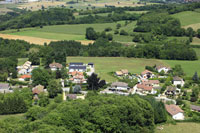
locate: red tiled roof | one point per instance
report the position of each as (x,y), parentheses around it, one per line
(25,76)
(144,87)
(173,109)
(57,65)
(150,82)
(145,72)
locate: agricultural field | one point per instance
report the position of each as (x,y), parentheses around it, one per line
(186,127)
(105,65)
(188,17)
(66,32)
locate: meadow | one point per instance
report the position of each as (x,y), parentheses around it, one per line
(188,17)
(186,127)
(105,65)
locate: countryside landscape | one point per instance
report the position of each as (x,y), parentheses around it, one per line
(99,66)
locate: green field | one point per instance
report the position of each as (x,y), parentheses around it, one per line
(188,17)
(185,127)
(104,65)
(73,32)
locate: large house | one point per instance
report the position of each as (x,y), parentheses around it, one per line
(172,90)
(178,81)
(5,88)
(25,68)
(37,90)
(143,89)
(55,66)
(154,83)
(147,74)
(24,77)
(77,66)
(163,68)
(77,77)
(175,111)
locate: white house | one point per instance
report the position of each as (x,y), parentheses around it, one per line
(175,111)
(178,81)
(22,71)
(162,68)
(5,88)
(119,86)
(147,74)
(54,66)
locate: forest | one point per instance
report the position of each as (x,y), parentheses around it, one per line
(98,113)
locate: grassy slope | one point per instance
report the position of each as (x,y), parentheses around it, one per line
(185,127)
(188,17)
(104,65)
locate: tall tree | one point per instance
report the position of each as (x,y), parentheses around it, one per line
(94,82)
(53,88)
(195,77)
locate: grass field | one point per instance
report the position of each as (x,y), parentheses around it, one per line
(104,65)
(188,17)
(185,127)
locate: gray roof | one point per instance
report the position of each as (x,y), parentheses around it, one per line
(77,67)
(119,84)
(4,86)
(177,78)
(194,107)
(76,63)
(90,63)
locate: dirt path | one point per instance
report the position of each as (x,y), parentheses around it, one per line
(36,40)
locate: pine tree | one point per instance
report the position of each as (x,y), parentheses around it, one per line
(195,78)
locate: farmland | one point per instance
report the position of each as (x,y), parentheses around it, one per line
(70,32)
(105,65)
(185,127)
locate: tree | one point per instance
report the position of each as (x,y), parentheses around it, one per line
(43,100)
(91,34)
(53,88)
(71,90)
(34,58)
(94,83)
(77,89)
(178,71)
(118,26)
(40,76)
(195,94)
(58,74)
(198,33)
(195,77)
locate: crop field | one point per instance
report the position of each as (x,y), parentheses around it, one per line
(186,127)
(188,17)
(104,65)
(66,32)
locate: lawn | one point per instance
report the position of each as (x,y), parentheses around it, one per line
(185,127)
(2,117)
(198,52)
(104,65)
(21,61)
(188,17)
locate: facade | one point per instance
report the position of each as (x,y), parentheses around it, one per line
(178,81)
(77,68)
(5,88)
(147,74)
(175,111)
(119,86)
(163,68)
(172,90)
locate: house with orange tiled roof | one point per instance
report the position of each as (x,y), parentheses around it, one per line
(147,74)
(24,77)
(175,111)
(143,89)
(77,77)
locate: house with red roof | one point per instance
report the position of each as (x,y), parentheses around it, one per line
(175,111)
(24,77)
(143,89)
(147,74)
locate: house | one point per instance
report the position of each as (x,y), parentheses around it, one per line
(143,89)
(122,72)
(172,90)
(22,71)
(38,89)
(77,77)
(195,108)
(77,68)
(76,64)
(163,68)
(147,74)
(119,86)
(24,77)
(91,65)
(178,81)
(54,66)
(5,88)
(154,83)
(175,111)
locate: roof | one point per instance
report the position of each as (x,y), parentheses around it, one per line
(146,71)
(76,63)
(25,76)
(71,96)
(119,73)
(150,82)
(38,89)
(4,86)
(121,84)
(57,65)
(194,107)
(173,109)
(77,67)
(124,71)
(171,88)
(76,73)
(161,66)
(90,63)
(144,87)
(177,78)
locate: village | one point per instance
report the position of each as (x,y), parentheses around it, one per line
(158,83)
